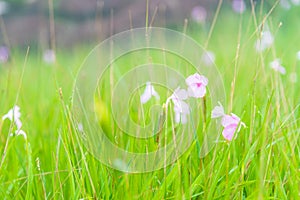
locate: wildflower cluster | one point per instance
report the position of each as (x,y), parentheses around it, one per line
(196,88)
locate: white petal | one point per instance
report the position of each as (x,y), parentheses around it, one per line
(296,2)
(180,118)
(49,56)
(238,6)
(196,79)
(199,14)
(196,92)
(145,97)
(21,132)
(18,123)
(281,70)
(13,113)
(184,118)
(265,42)
(267,38)
(180,94)
(181,107)
(148,93)
(4,117)
(177,117)
(276,66)
(154,93)
(285,4)
(218,111)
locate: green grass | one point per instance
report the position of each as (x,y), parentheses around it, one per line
(262,163)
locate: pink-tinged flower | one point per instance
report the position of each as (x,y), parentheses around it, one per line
(276,66)
(199,14)
(266,41)
(49,56)
(238,6)
(196,85)
(181,108)
(4,54)
(14,116)
(148,93)
(208,58)
(229,122)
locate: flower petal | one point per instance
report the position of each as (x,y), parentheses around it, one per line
(196,79)
(148,93)
(276,66)
(18,123)
(180,94)
(184,118)
(181,107)
(197,92)
(230,120)
(21,132)
(229,131)
(180,118)
(13,114)
(218,111)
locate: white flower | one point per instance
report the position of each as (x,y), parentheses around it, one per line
(265,42)
(296,2)
(179,94)
(181,108)
(14,116)
(180,118)
(238,6)
(285,4)
(276,66)
(4,54)
(49,56)
(21,132)
(148,93)
(218,111)
(196,85)
(199,14)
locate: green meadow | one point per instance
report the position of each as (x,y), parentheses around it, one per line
(262,162)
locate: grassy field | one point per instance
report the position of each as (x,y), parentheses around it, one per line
(263,162)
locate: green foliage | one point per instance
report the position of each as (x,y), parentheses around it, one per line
(262,163)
